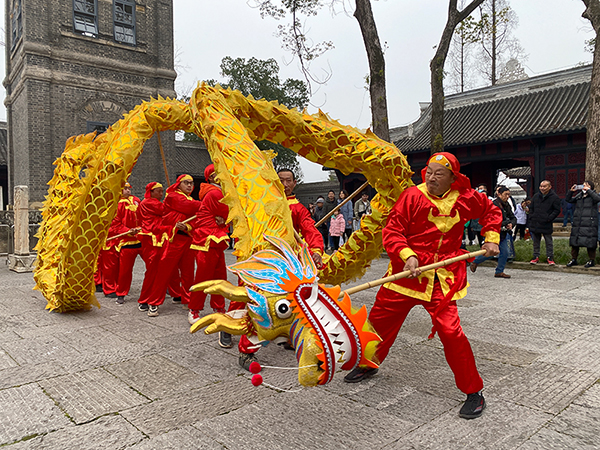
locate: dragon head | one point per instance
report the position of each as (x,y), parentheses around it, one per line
(285,301)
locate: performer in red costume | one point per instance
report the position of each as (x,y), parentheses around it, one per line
(210,241)
(305,226)
(128,246)
(176,256)
(153,237)
(426,226)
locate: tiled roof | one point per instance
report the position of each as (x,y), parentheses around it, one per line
(190,157)
(547,104)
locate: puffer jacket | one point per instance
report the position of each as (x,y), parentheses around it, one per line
(542,212)
(584,230)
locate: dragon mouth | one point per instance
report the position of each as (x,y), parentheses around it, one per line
(334,331)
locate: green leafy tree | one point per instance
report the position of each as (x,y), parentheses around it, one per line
(260,79)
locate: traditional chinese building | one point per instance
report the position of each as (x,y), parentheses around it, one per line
(538,124)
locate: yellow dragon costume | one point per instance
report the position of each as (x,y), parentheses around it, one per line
(91,172)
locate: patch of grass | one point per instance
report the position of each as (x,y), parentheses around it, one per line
(562,251)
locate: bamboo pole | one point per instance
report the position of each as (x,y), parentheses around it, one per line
(162,153)
(189,219)
(406,273)
(346,200)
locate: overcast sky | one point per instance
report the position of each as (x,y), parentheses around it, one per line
(552,32)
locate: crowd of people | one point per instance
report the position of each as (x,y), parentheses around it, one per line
(337,227)
(182,242)
(535,217)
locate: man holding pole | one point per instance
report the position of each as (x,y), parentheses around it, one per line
(424,227)
(176,257)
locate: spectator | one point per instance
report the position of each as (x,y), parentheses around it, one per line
(361,207)
(336,229)
(585,222)
(508,223)
(330,204)
(521,214)
(320,212)
(544,208)
(567,210)
(347,212)
(474,225)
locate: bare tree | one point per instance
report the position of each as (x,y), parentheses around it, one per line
(296,41)
(498,45)
(592,159)
(459,77)
(437,71)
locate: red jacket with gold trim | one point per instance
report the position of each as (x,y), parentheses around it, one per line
(125,220)
(179,207)
(150,217)
(305,225)
(431,228)
(207,233)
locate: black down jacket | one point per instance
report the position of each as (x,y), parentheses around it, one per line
(542,212)
(584,231)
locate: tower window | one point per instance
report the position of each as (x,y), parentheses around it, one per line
(85,17)
(124,21)
(16,22)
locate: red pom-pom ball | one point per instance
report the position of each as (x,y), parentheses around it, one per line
(257,380)
(254,367)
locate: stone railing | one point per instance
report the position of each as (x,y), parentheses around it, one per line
(7,230)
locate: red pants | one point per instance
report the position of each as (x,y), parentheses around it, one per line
(127,257)
(151,256)
(210,265)
(390,311)
(177,258)
(109,269)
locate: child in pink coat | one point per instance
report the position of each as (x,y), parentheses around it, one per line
(337,226)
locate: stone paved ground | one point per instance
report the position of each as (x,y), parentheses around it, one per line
(114,378)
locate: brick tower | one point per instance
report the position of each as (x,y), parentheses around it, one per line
(73,66)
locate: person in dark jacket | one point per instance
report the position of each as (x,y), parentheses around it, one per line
(585,221)
(508,224)
(544,208)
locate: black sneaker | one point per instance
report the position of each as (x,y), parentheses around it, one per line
(359,374)
(111,295)
(98,288)
(143,307)
(246,359)
(225,340)
(286,345)
(572,263)
(152,311)
(473,407)
(120,300)
(589,264)
(176,300)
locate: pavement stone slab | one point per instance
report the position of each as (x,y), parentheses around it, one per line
(87,395)
(502,353)
(186,438)
(155,376)
(26,411)
(210,362)
(105,433)
(546,439)
(502,426)
(140,330)
(29,373)
(311,419)
(6,361)
(42,349)
(543,386)
(561,316)
(531,343)
(92,358)
(579,422)
(386,392)
(186,408)
(582,353)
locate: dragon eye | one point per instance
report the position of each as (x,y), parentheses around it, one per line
(282,308)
